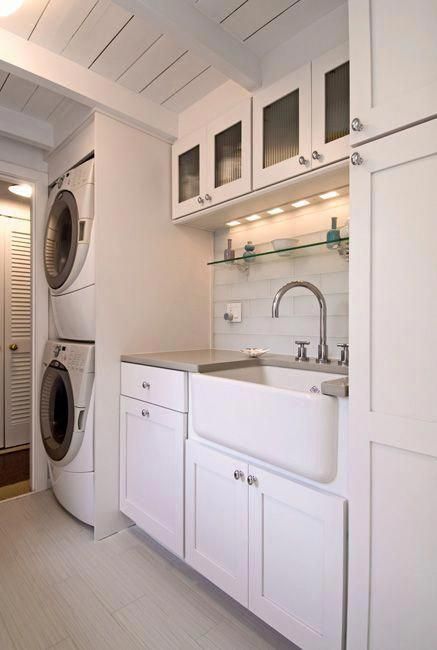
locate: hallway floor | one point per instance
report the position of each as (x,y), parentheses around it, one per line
(61,590)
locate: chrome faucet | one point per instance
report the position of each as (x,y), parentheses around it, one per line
(322,355)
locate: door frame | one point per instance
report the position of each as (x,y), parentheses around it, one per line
(13,173)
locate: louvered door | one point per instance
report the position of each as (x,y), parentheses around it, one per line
(17,332)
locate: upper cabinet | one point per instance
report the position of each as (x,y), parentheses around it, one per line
(282,129)
(213,164)
(330,107)
(393,65)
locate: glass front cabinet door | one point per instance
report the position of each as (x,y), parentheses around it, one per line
(282,129)
(189,173)
(330,107)
(229,154)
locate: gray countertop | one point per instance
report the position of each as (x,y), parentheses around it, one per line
(211,360)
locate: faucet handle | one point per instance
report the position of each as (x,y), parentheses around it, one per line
(344,354)
(302,351)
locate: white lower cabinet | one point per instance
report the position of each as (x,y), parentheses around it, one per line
(275,545)
(152,442)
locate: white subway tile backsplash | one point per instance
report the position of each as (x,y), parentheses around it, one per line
(335,282)
(250,290)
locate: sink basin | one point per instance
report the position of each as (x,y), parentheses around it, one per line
(277,415)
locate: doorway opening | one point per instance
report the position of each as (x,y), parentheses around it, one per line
(15,338)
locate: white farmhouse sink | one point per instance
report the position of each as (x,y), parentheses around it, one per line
(273,414)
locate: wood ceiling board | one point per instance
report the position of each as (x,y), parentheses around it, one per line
(195,90)
(59,22)
(217,9)
(253,15)
(42,103)
(178,75)
(289,24)
(99,28)
(26,128)
(16,92)
(158,57)
(22,21)
(3,77)
(128,46)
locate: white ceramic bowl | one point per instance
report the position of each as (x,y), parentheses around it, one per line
(279,244)
(254,352)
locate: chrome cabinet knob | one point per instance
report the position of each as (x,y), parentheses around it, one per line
(315,155)
(238,474)
(356,159)
(146,384)
(356,124)
(200,200)
(303,160)
(208,197)
(145,413)
(252,480)
(302,354)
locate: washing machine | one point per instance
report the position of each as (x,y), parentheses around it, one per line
(67,424)
(69,253)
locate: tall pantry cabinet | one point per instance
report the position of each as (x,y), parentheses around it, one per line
(392,598)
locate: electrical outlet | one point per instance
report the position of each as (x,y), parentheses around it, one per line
(233,312)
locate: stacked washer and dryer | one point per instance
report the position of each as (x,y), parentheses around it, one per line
(67,387)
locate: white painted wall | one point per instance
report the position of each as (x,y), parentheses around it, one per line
(152,284)
(299,312)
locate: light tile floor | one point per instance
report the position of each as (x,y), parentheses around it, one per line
(61,590)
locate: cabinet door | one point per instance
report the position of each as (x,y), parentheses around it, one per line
(393,49)
(282,129)
(152,470)
(296,560)
(230,154)
(216,518)
(189,173)
(330,106)
(392,592)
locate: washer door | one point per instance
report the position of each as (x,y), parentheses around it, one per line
(56,411)
(61,238)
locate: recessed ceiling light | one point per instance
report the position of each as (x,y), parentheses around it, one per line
(300,204)
(275,211)
(329,195)
(7,7)
(234,223)
(253,217)
(21,190)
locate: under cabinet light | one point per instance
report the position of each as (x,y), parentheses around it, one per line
(21,190)
(253,217)
(300,204)
(275,211)
(234,223)
(329,195)
(7,7)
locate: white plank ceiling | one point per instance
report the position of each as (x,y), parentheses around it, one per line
(109,40)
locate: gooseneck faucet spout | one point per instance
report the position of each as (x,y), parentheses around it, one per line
(322,355)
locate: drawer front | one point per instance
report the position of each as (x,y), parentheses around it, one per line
(159,386)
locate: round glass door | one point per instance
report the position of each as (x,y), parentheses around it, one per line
(60,243)
(56,411)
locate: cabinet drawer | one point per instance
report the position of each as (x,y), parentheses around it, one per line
(156,385)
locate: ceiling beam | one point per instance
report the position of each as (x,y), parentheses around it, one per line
(26,129)
(203,36)
(57,73)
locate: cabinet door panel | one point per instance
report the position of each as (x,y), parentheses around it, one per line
(216,519)
(282,129)
(330,106)
(189,173)
(152,470)
(229,154)
(393,64)
(296,560)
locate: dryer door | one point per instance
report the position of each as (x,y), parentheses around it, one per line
(61,239)
(56,411)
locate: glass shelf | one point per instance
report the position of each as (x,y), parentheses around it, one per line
(340,246)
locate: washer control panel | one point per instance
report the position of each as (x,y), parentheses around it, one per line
(74,356)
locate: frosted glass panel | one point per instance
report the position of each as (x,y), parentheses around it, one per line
(189,164)
(228,155)
(281,129)
(337,103)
